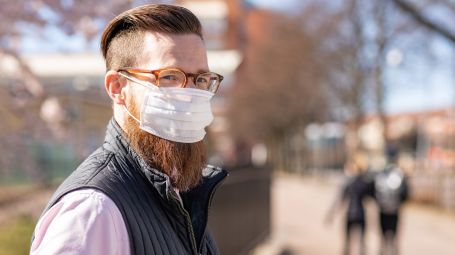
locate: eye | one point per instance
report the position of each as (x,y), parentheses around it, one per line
(202,80)
(169,77)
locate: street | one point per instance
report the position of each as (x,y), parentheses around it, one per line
(299,206)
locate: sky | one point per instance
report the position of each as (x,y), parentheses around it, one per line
(275,4)
(422,84)
(415,87)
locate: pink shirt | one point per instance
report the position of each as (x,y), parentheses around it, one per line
(82,222)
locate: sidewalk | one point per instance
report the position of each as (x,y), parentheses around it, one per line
(300,204)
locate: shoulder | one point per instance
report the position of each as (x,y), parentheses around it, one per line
(83,205)
(79,222)
(85,173)
(89,174)
(91,201)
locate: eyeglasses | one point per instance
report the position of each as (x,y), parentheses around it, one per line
(176,78)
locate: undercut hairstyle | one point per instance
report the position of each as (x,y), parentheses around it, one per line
(122,40)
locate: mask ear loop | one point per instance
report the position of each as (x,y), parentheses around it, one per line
(124,107)
(132,116)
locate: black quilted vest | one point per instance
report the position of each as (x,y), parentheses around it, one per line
(157,222)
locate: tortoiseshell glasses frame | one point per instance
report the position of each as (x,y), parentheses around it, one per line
(175,77)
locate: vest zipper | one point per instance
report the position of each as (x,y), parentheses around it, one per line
(188,224)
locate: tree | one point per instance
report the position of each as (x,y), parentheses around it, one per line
(281,85)
(21,92)
(19,17)
(343,54)
(418,15)
(370,30)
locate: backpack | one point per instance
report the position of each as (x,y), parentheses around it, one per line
(390,189)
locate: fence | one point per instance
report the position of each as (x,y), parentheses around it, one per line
(434,188)
(240,214)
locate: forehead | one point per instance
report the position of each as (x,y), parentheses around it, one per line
(186,51)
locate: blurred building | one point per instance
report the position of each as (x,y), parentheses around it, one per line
(428,136)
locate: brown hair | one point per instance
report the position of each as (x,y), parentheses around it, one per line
(121,42)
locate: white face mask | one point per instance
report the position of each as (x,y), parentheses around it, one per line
(175,114)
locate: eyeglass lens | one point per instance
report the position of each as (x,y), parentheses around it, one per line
(175,78)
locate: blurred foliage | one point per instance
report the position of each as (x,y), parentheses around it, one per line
(332,62)
(38,148)
(423,12)
(83,16)
(15,237)
(281,84)
(305,68)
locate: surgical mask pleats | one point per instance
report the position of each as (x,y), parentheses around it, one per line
(176,114)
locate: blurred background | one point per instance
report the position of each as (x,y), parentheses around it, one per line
(307,85)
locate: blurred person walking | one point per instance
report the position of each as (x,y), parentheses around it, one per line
(356,188)
(391,190)
(147,189)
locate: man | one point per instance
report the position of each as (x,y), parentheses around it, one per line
(391,190)
(146,190)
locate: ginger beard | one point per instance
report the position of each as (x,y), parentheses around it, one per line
(182,162)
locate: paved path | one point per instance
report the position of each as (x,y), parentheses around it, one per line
(300,204)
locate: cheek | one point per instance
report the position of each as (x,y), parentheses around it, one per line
(136,97)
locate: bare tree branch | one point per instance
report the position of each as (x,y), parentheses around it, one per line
(425,21)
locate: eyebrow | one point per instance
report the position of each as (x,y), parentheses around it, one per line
(203,70)
(197,72)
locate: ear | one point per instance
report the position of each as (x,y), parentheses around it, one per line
(115,86)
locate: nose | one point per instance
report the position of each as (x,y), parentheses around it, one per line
(190,82)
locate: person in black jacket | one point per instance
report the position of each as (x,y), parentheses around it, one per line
(391,191)
(356,188)
(147,189)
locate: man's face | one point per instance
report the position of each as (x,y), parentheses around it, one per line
(181,161)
